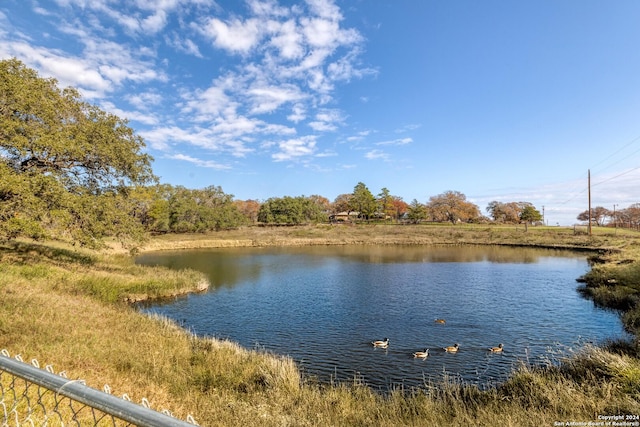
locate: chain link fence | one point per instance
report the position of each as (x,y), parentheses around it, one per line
(31,396)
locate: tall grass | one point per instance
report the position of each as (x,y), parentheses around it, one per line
(65,308)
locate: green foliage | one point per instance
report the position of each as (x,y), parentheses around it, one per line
(385,203)
(180,210)
(362,201)
(65,164)
(292,210)
(529,214)
(417,212)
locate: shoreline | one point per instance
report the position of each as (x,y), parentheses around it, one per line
(388,234)
(72,315)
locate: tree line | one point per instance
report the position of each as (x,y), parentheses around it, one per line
(628,217)
(72,171)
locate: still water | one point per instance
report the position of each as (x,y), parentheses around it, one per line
(324,305)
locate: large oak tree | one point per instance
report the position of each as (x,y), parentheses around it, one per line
(66,165)
(452,206)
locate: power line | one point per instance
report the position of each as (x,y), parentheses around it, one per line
(616,152)
(616,176)
(585,189)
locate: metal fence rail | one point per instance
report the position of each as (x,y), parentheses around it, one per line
(36,397)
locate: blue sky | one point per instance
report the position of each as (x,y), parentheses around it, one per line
(507,101)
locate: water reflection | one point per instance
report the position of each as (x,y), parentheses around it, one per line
(228,266)
(324,305)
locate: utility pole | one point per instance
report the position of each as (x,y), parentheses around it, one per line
(543,221)
(589,186)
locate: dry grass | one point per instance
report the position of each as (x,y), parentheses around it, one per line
(63,307)
(392,234)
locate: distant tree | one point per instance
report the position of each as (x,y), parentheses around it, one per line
(598,215)
(67,167)
(291,211)
(248,208)
(149,206)
(452,206)
(184,212)
(630,216)
(416,212)
(386,207)
(400,207)
(323,204)
(363,201)
(342,203)
(197,211)
(315,208)
(529,215)
(158,216)
(510,213)
(505,212)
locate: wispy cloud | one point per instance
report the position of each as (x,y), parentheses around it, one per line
(376,155)
(402,141)
(199,162)
(408,128)
(139,116)
(359,136)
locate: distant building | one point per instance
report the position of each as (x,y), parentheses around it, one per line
(344,216)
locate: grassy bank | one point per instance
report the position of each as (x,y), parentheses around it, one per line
(67,308)
(382,234)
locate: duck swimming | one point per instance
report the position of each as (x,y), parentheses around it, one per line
(452,348)
(421,354)
(497,349)
(381,344)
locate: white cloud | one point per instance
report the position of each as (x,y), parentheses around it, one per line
(164,138)
(376,154)
(320,33)
(402,141)
(235,36)
(185,45)
(147,119)
(298,113)
(160,138)
(325,9)
(408,128)
(322,126)
(199,162)
(267,8)
(209,104)
(327,154)
(96,71)
(359,136)
(266,99)
(294,149)
(288,40)
(154,23)
(144,100)
(68,71)
(326,120)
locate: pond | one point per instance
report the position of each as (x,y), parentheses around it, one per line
(324,305)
